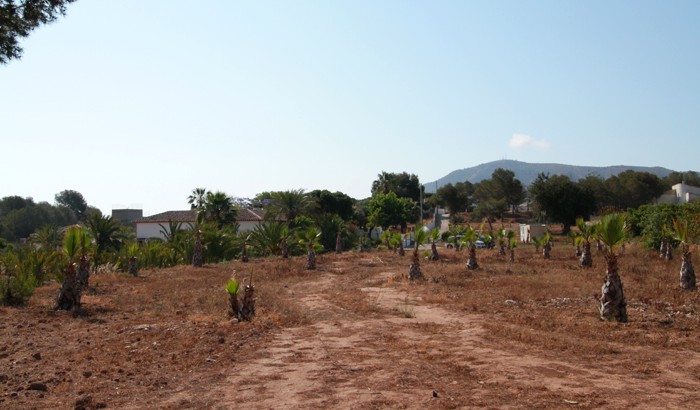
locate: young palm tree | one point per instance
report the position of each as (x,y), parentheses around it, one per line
(419,236)
(470,237)
(501,239)
(133,259)
(232,290)
(585,232)
(546,244)
(434,235)
(198,198)
(310,238)
(218,208)
(512,245)
(687,271)
(69,296)
(398,237)
(612,231)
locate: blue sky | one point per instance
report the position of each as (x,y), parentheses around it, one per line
(135,103)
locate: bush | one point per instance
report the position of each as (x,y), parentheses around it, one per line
(16,285)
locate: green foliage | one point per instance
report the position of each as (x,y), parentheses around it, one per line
(16,284)
(558,199)
(403,185)
(612,230)
(232,286)
(21,217)
(107,235)
(20,17)
(456,198)
(387,210)
(652,221)
(287,205)
(333,203)
(265,239)
(420,236)
(218,209)
(310,238)
(74,201)
(220,242)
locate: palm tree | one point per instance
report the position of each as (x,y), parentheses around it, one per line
(419,236)
(198,198)
(501,238)
(434,235)
(666,245)
(612,231)
(585,232)
(310,237)
(471,235)
(687,271)
(288,204)
(133,259)
(512,245)
(69,296)
(398,240)
(107,235)
(270,237)
(546,244)
(218,208)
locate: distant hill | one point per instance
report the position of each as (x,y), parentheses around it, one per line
(527,172)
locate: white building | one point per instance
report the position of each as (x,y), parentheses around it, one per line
(157,226)
(680,194)
(527,232)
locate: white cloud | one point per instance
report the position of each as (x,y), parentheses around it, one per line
(526,141)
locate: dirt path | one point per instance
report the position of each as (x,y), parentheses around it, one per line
(412,355)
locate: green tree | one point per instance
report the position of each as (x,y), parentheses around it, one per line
(456,198)
(197,199)
(19,17)
(404,185)
(387,210)
(74,201)
(558,199)
(632,189)
(336,203)
(689,177)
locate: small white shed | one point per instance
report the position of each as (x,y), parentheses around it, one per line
(527,231)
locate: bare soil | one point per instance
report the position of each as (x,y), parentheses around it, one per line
(356,334)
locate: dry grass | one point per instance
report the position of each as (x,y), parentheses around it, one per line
(169,330)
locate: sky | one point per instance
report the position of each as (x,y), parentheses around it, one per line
(136,103)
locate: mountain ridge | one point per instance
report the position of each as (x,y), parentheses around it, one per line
(527,172)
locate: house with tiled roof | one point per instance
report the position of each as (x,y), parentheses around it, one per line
(156,226)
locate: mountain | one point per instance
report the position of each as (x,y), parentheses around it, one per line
(527,172)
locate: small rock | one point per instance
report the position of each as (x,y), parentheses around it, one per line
(87,373)
(435,394)
(37,356)
(38,386)
(13,394)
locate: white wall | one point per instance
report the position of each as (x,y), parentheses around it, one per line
(148,230)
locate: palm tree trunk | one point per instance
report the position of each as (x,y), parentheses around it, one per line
(197,258)
(663,248)
(235,308)
(69,296)
(284,249)
(586,260)
(669,252)
(414,271)
(546,249)
(311,259)
(83,275)
(133,266)
(248,304)
(687,271)
(512,256)
(612,299)
(471,261)
(338,243)
(402,252)
(433,252)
